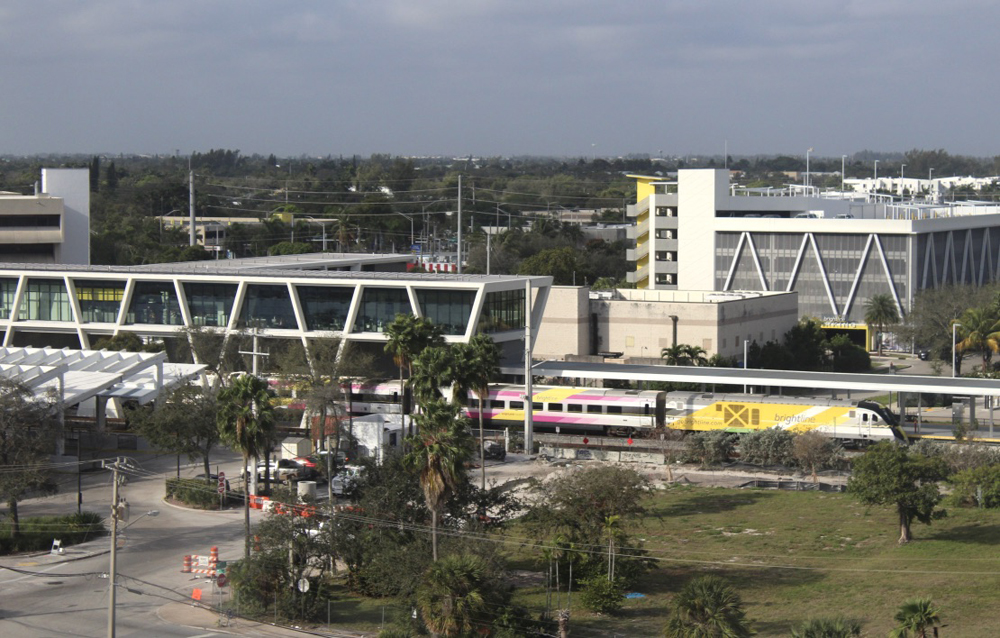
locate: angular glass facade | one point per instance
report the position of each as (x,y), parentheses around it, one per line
(325,307)
(503,311)
(379,307)
(210,304)
(449,309)
(45,300)
(8,286)
(267,307)
(100,300)
(154,302)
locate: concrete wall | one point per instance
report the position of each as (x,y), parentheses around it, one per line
(73,186)
(565,325)
(640,324)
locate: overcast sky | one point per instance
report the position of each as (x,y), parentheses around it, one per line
(499,77)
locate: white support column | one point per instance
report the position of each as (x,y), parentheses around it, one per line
(529,432)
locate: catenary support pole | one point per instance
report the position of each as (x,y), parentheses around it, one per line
(528,394)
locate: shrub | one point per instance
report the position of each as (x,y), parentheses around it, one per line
(194,492)
(602,595)
(711,448)
(978,486)
(37,535)
(766,447)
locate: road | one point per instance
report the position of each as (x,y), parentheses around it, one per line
(71,598)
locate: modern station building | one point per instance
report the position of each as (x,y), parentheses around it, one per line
(301,297)
(837,250)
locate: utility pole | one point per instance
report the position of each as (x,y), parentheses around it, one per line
(529,442)
(192,233)
(117,512)
(460,224)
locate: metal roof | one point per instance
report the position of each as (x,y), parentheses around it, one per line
(84,374)
(758,377)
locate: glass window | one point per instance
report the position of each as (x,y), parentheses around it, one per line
(99,300)
(555,407)
(496,405)
(537,407)
(449,309)
(154,302)
(45,300)
(517,405)
(8,286)
(379,307)
(325,307)
(267,306)
(210,304)
(614,409)
(594,409)
(574,407)
(503,311)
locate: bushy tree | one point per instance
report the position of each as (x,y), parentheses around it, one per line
(460,595)
(977,486)
(28,430)
(891,475)
(766,447)
(838,627)
(185,423)
(711,448)
(915,617)
(602,594)
(814,451)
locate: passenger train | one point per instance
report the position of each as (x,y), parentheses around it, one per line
(602,411)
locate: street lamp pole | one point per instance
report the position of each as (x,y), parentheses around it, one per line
(875,187)
(843,166)
(901,167)
(953,344)
(808,151)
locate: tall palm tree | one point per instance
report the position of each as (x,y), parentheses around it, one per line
(408,337)
(707,607)
(980,332)
(455,596)
(476,364)
(433,369)
(915,617)
(438,453)
(674,355)
(695,356)
(881,311)
(246,424)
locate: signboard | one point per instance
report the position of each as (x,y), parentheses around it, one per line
(303,585)
(222,581)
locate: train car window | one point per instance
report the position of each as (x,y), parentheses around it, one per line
(864,417)
(614,409)
(517,405)
(755,417)
(852,414)
(555,407)
(633,410)
(574,407)
(718,407)
(537,406)
(594,409)
(499,405)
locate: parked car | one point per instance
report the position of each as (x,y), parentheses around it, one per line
(923,355)
(494,450)
(283,471)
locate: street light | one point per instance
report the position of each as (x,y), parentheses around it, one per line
(411,224)
(953,342)
(930,175)
(901,167)
(843,165)
(322,224)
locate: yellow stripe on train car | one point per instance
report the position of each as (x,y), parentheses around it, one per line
(746,416)
(555,395)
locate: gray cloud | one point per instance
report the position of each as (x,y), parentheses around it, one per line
(497,76)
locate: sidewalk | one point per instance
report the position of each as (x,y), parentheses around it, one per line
(197,617)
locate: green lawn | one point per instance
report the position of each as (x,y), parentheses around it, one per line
(796,555)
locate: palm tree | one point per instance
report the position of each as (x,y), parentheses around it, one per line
(881,311)
(707,607)
(246,424)
(438,453)
(456,596)
(433,369)
(980,332)
(915,617)
(476,364)
(674,355)
(409,336)
(828,628)
(695,356)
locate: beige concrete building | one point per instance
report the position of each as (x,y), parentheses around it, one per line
(50,226)
(640,323)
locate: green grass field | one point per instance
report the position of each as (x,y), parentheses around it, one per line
(797,555)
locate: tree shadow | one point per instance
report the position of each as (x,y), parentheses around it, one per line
(707,501)
(973,534)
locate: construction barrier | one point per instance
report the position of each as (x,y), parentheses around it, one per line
(195,564)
